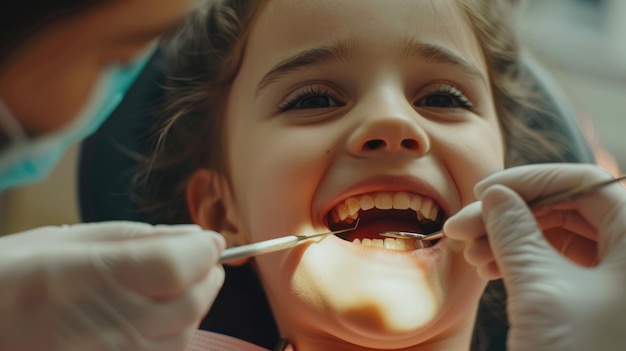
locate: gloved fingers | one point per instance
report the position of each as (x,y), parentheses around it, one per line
(489,271)
(159,267)
(612,230)
(467,224)
(124,230)
(567,219)
(570,234)
(604,208)
(516,241)
(533,181)
(109,314)
(576,248)
(589,217)
(478,253)
(48,235)
(547,293)
(169,318)
(101,231)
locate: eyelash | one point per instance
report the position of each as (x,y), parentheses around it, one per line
(460,98)
(311,91)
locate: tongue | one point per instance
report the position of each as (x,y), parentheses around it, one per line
(371,229)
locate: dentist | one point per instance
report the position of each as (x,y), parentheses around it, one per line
(64,67)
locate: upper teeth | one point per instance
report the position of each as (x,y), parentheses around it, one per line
(348,210)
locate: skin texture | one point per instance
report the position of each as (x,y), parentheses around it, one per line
(374,128)
(47,80)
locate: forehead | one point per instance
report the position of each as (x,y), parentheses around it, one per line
(372,27)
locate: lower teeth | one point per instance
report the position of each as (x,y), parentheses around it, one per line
(393,244)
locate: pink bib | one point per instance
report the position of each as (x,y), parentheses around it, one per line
(203,340)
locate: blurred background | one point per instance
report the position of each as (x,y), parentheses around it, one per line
(51,202)
(581,44)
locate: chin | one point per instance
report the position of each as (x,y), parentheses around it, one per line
(378,299)
(380,328)
(374,336)
(372,297)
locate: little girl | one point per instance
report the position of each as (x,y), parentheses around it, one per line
(290,117)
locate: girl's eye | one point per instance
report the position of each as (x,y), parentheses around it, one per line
(445,97)
(312,98)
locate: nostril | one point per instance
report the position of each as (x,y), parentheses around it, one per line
(410,144)
(374,144)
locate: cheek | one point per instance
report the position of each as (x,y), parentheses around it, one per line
(276,171)
(473,153)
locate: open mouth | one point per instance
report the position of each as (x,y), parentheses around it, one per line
(386,211)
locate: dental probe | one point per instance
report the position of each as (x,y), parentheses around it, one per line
(276,244)
(559,196)
(411,235)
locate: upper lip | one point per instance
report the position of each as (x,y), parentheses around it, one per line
(380,183)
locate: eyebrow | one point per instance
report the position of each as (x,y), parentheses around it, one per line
(345,50)
(325,55)
(437,54)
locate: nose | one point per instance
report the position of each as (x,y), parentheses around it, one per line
(389,131)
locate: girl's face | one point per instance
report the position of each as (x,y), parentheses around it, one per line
(370,109)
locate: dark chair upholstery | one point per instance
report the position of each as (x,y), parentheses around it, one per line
(108,161)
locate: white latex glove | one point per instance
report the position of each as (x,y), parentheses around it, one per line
(106,286)
(553,303)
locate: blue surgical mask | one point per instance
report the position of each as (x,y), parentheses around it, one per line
(26,160)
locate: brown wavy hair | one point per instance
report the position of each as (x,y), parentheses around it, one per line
(202,60)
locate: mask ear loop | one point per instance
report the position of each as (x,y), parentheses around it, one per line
(11,126)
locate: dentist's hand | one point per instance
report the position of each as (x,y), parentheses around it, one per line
(106,286)
(564,291)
